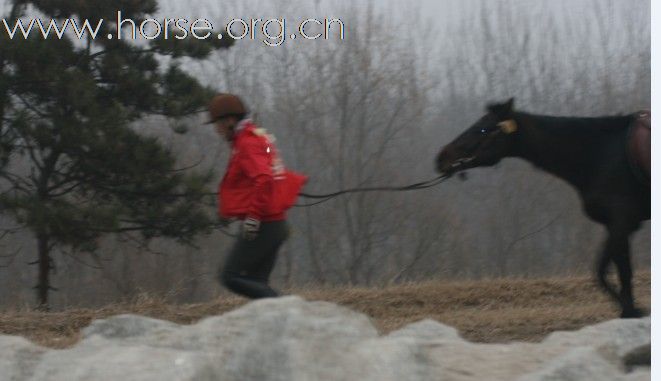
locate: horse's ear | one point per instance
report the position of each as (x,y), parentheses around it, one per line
(502,110)
(509,105)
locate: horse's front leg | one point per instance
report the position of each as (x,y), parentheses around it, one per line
(622,260)
(616,250)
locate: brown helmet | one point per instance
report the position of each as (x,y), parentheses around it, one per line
(223,105)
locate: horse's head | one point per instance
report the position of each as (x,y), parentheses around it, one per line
(483,144)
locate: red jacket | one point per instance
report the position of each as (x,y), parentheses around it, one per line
(256,183)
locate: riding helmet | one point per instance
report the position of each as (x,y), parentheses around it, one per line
(223,105)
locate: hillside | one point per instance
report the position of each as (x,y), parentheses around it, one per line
(495,310)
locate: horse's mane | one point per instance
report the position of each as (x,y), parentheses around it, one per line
(597,123)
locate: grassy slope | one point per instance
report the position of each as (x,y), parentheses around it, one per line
(487,311)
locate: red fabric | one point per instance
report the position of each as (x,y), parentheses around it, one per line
(256,184)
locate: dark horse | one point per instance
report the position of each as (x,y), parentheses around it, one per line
(605,159)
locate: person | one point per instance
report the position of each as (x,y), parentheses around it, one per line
(256,189)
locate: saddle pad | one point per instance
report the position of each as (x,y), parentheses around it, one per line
(639,143)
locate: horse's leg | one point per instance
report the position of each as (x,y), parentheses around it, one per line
(607,254)
(622,260)
(617,250)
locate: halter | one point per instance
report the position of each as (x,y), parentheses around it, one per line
(508,126)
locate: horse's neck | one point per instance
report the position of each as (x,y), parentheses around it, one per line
(559,146)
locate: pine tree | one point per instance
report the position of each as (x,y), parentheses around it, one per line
(74,165)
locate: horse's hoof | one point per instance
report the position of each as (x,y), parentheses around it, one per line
(632,313)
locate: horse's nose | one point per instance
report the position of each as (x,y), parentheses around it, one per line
(442,161)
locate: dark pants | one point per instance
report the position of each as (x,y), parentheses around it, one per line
(249,264)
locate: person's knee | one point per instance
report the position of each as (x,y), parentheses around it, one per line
(228,279)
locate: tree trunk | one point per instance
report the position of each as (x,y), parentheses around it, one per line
(44,262)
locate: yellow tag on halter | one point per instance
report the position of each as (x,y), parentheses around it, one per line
(508,126)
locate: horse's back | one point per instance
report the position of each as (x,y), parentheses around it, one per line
(639,144)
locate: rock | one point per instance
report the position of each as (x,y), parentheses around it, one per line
(640,374)
(280,339)
(18,358)
(427,330)
(106,361)
(629,340)
(583,363)
(289,338)
(125,326)
(385,359)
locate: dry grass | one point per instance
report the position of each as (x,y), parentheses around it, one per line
(485,311)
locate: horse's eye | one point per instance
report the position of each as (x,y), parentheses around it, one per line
(483,131)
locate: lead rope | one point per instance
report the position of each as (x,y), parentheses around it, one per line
(325,197)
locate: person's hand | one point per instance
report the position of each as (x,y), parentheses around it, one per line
(250,228)
(225,222)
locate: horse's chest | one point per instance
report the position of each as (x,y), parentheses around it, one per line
(606,207)
(595,208)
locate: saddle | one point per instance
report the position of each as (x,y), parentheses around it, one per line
(639,145)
